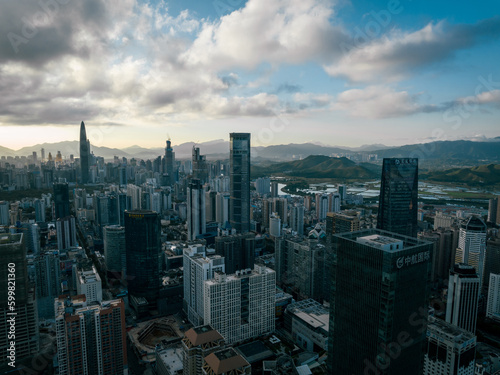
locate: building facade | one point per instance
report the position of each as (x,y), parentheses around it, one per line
(241,306)
(398,204)
(379,288)
(239,174)
(144,254)
(91,338)
(450,350)
(463,297)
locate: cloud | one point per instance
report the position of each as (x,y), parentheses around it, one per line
(486,97)
(398,54)
(377,102)
(273,31)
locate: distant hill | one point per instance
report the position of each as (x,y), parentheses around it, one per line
(4,151)
(317,166)
(432,155)
(447,150)
(483,175)
(295,151)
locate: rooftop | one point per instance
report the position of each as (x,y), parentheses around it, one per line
(202,335)
(311,312)
(225,360)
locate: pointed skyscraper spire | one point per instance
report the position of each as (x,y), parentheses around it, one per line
(84,154)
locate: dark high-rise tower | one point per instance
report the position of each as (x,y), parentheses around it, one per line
(61,200)
(239,204)
(84,154)
(169,162)
(398,206)
(143,253)
(378,303)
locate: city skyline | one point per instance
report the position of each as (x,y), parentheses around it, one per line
(341,73)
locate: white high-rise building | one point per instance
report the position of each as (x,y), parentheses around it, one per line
(198,268)
(241,306)
(275,225)
(493,306)
(472,244)
(450,350)
(196,220)
(463,297)
(443,221)
(88,282)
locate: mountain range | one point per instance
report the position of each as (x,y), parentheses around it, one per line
(449,151)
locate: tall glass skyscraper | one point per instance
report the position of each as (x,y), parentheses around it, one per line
(84,154)
(378,303)
(169,162)
(144,255)
(239,204)
(61,200)
(398,206)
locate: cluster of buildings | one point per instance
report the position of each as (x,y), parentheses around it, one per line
(255,280)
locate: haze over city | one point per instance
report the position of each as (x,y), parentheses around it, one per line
(334,72)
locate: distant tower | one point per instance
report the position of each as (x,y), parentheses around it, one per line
(84,154)
(169,163)
(239,205)
(398,206)
(200,170)
(463,297)
(196,209)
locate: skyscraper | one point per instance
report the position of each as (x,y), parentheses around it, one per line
(84,154)
(472,244)
(169,162)
(379,289)
(493,305)
(114,251)
(239,206)
(398,205)
(463,297)
(91,339)
(48,282)
(450,350)
(198,268)
(61,200)
(14,270)
(144,255)
(238,251)
(241,306)
(196,210)
(200,170)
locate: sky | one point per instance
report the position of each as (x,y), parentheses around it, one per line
(339,72)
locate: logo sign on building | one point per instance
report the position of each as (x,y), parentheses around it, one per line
(410,260)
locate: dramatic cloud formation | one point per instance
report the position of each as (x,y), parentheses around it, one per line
(397,55)
(127,62)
